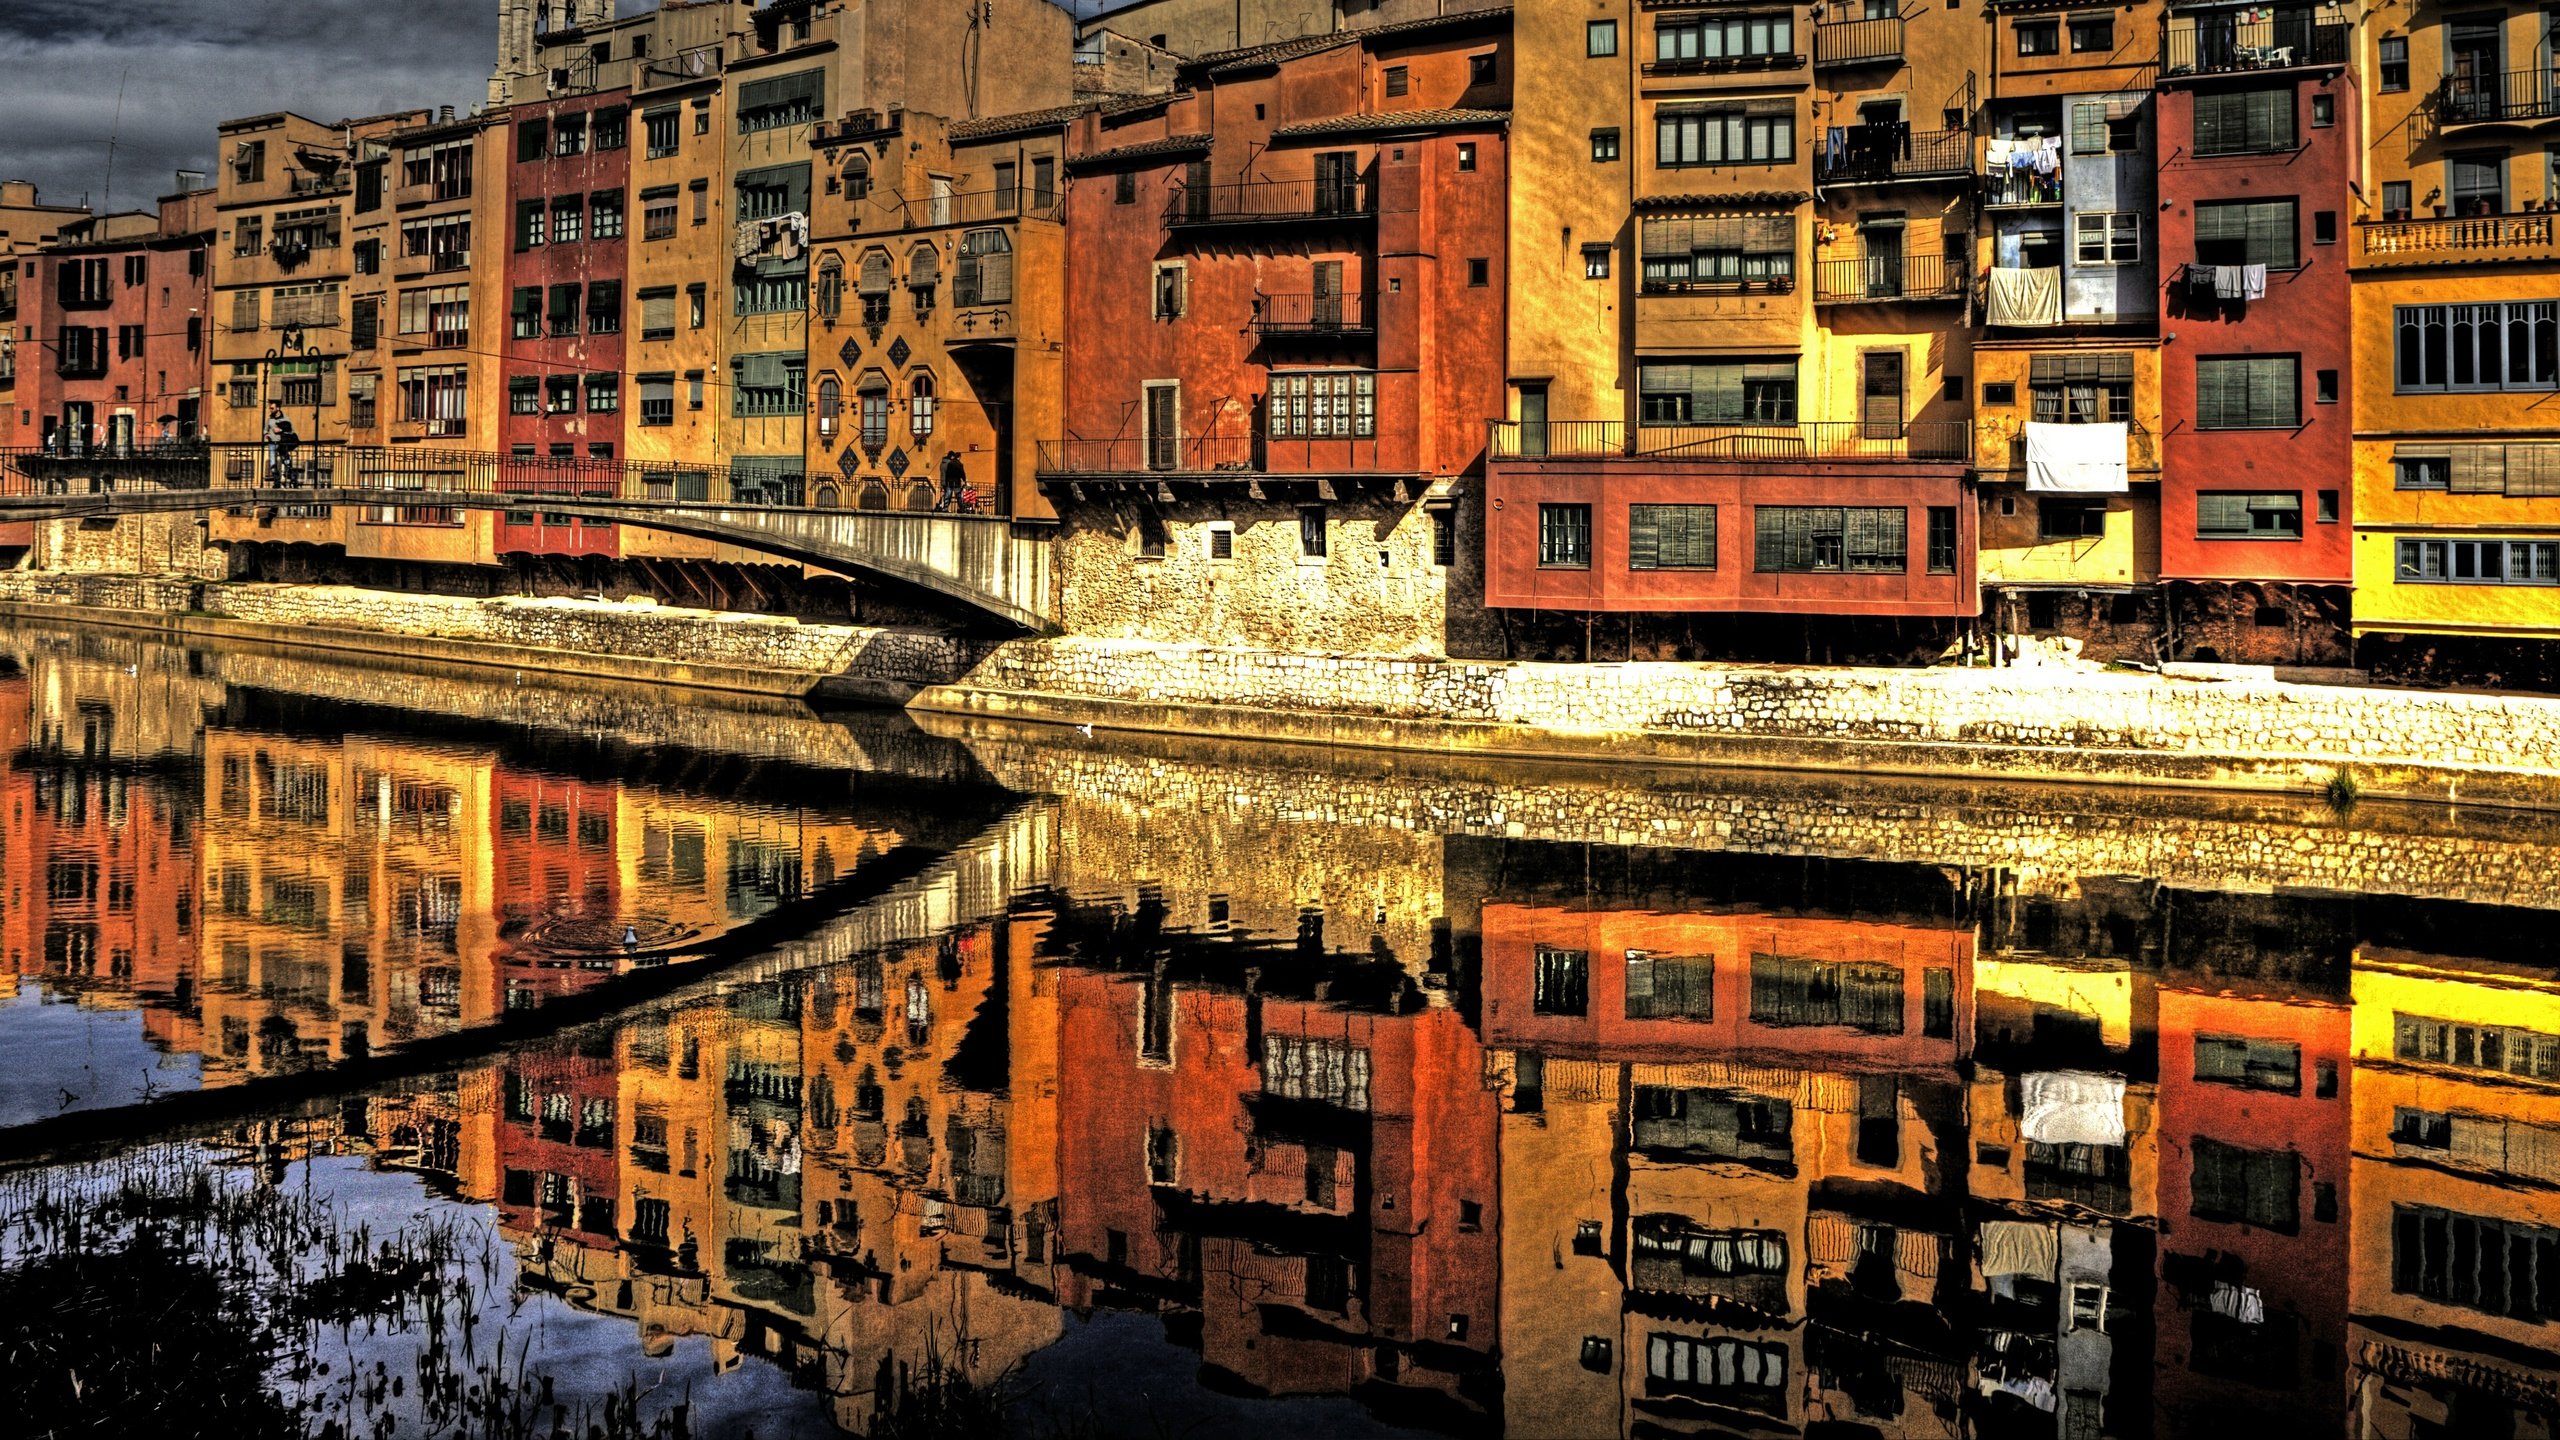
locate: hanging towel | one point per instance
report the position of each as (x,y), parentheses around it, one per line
(2016,1247)
(2226,282)
(1835,145)
(2238,1302)
(2048,155)
(2025,297)
(2253,282)
(1996,155)
(2205,278)
(2068,1107)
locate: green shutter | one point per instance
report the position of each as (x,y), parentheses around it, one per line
(2219,515)
(1769,538)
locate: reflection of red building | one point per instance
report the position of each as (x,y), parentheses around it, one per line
(1630,983)
(567,214)
(2253,1142)
(557,1168)
(558,883)
(98,869)
(1313,1187)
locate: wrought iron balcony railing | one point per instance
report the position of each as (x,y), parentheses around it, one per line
(1949,440)
(1884,153)
(2222,43)
(1858,42)
(1868,279)
(1313,316)
(1262,202)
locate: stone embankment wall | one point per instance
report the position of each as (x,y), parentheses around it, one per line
(2039,724)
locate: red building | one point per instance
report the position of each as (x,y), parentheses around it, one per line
(2256,465)
(1285,281)
(116,315)
(558,1171)
(567,207)
(558,885)
(1308,1188)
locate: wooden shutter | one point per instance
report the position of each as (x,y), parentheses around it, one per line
(1769,235)
(2533,470)
(1769,538)
(2479,469)
(2222,515)
(875,273)
(1664,237)
(1881,407)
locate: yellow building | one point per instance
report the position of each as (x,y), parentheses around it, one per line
(2457,449)
(2452,1198)
(936,307)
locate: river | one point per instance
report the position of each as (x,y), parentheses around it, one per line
(402,1051)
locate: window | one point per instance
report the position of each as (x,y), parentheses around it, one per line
(2087,389)
(604,394)
(1671,537)
(1718,392)
(2324,110)
(1748,1374)
(568,215)
(768,385)
(524,395)
(1722,252)
(2506,1268)
(2478,182)
(2093,34)
(531,142)
(1564,537)
(1169,292)
(1793,992)
(2327,515)
(2105,127)
(2324,227)
(1595,262)
(2070,519)
(436,397)
(2039,37)
(2509,345)
(2106,237)
(658,216)
(2479,562)
(560,395)
(2395,199)
(530,229)
(1480,70)
(1323,405)
(658,314)
(569,136)
(984,275)
(873,408)
(1397,80)
(1560,980)
(696,301)
(368,257)
(604,307)
(2250,1063)
(657,400)
(525,314)
(2248,392)
(2422,472)
(2235,122)
(783,101)
(1311,532)
(2394,64)
(1479,272)
(1600,38)
(1124,188)
(442,312)
(2246,232)
(1758,133)
(1604,145)
(1444,538)
(1942,553)
(2235,515)
(770,294)
(1814,539)
(1670,987)
(605,215)
(563,318)
(1703,42)
(2498,1049)
(611,128)
(1466,156)
(366,324)
(2247,1187)
(660,133)
(1332,1071)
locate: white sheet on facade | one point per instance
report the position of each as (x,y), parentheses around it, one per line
(2076,459)
(2025,297)
(2018,1247)
(2072,1107)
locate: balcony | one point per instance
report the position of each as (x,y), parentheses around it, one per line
(1243,457)
(1725,64)
(1889,153)
(1873,279)
(1858,42)
(2512,98)
(2014,188)
(1313,317)
(1946,440)
(1272,202)
(975,207)
(2221,43)
(2455,240)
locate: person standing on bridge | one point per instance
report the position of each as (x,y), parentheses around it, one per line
(286,443)
(277,428)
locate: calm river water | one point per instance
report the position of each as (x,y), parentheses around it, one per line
(395,1052)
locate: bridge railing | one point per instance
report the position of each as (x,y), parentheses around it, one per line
(262,470)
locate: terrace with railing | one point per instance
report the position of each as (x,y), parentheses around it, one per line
(1312,316)
(1947,440)
(2455,239)
(2222,42)
(1858,42)
(1237,456)
(1272,202)
(1882,154)
(1868,279)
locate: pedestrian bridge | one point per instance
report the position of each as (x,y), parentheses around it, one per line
(990,563)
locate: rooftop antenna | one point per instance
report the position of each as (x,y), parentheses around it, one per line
(109,203)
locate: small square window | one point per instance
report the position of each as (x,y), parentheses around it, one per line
(1595,262)
(1953,391)
(1595,1354)
(2093,34)
(1480,69)
(1124,188)
(1311,533)
(1470,1215)
(1586,1237)
(1604,145)
(1398,81)
(2324,227)
(1999,392)
(1479,273)
(1600,37)
(2324,110)
(1222,546)
(2328,515)
(1466,155)
(2326,382)
(2039,37)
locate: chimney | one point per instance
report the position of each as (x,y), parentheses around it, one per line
(444,114)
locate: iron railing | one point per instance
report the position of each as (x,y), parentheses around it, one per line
(1272,201)
(1858,42)
(1725,64)
(258,474)
(2490,99)
(2014,186)
(1886,276)
(1781,440)
(974,207)
(1883,153)
(2457,237)
(2222,43)
(1312,315)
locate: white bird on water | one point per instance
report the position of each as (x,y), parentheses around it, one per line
(1085,730)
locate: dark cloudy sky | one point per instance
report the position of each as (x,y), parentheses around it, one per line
(187,65)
